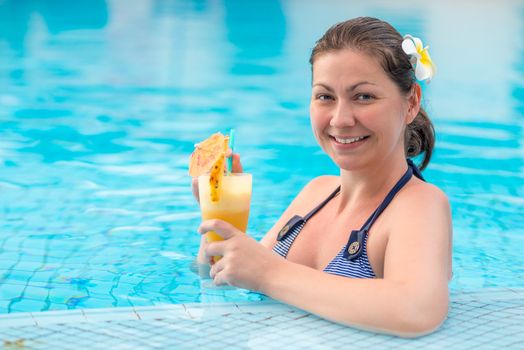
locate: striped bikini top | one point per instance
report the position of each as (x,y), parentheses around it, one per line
(352,260)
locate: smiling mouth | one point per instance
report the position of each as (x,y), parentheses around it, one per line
(349,140)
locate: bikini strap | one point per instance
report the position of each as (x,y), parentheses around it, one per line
(297,221)
(321,205)
(354,247)
(416,170)
(398,186)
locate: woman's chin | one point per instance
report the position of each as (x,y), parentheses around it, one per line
(350,164)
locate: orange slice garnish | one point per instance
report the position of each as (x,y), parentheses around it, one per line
(209,157)
(215,178)
(207,153)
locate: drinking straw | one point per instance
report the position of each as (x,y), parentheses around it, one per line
(231,145)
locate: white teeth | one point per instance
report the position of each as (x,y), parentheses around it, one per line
(350,140)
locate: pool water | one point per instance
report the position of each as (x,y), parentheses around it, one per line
(102,102)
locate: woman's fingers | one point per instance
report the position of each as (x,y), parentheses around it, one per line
(194,188)
(202,258)
(220,279)
(237,166)
(215,249)
(219,275)
(216,268)
(217,272)
(223,228)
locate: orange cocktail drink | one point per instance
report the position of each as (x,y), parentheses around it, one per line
(233,202)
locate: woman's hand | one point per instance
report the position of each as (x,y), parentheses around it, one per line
(245,263)
(237,168)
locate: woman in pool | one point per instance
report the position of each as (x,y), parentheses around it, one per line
(370,248)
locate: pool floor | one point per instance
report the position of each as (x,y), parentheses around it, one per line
(486,319)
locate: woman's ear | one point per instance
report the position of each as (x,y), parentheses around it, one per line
(413,103)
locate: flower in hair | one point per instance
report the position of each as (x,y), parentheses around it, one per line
(419,57)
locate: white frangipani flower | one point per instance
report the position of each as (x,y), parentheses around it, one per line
(419,56)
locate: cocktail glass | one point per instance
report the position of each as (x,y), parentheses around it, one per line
(232,205)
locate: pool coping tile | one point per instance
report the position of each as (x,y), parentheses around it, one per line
(161,312)
(264,306)
(205,311)
(488,294)
(17,320)
(466,308)
(110,314)
(54,317)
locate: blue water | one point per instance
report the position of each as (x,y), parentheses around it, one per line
(101,103)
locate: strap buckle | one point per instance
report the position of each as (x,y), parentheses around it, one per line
(290,226)
(355,246)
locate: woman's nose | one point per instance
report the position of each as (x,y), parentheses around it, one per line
(343,115)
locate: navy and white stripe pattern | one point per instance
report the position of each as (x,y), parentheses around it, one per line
(357,268)
(282,247)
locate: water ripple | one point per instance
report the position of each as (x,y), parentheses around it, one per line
(141,192)
(490,152)
(178,217)
(136,229)
(481,132)
(10,185)
(112,211)
(455,169)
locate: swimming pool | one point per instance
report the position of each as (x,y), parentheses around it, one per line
(101,105)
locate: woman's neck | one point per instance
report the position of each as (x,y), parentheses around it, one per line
(370,184)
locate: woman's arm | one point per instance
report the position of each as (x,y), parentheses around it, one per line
(411,299)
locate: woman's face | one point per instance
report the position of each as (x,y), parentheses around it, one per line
(358,114)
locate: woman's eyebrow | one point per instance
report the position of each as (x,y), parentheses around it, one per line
(323,86)
(350,88)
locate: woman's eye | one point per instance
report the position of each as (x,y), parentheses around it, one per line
(324,97)
(364,97)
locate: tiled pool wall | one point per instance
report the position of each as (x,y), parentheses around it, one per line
(485,319)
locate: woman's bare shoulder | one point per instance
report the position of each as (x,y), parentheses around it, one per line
(311,194)
(322,182)
(419,192)
(419,230)
(421,202)
(317,189)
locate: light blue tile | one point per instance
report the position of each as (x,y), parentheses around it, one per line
(17,320)
(11,290)
(203,311)
(36,292)
(161,312)
(109,314)
(54,317)
(26,305)
(264,306)
(265,326)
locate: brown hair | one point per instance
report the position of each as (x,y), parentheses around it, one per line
(379,39)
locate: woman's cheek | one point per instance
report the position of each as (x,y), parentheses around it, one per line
(316,131)
(319,125)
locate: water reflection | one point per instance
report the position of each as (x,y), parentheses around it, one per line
(257,29)
(518,84)
(179,8)
(58,16)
